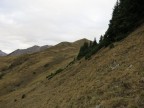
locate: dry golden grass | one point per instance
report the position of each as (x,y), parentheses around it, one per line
(112,78)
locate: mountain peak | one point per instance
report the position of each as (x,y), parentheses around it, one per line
(2,53)
(29,50)
(81,41)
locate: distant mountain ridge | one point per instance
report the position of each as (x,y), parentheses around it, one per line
(30,50)
(2,53)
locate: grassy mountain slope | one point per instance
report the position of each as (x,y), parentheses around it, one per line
(18,71)
(112,78)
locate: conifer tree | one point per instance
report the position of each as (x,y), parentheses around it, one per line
(101,39)
(127,15)
(83,50)
(94,42)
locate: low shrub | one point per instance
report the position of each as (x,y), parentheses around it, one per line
(1,75)
(46,65)
(34,73)
(54,74)
(23,96)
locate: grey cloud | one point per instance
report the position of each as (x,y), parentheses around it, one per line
(24,23)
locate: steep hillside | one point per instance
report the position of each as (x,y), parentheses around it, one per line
(112,78)
(30,50)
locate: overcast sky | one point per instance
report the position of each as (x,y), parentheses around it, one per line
(24,23)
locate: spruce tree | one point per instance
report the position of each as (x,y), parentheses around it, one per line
(83,50)
(94,42)
(127,15)
(101,39)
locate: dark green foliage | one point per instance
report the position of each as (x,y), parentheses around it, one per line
(72,62)
(104,43)
(127,16)
(87,49)
(54,74)
(101,39)
(34,73)
(46,65)
(50,76)
(58,71)
(94,47)
(94,43)
(92,51)
(83,50)
(1,75)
